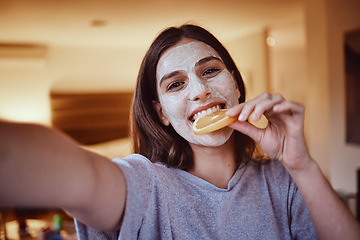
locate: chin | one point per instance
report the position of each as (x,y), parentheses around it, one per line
(214,139)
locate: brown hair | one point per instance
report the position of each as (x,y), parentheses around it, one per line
(153,139)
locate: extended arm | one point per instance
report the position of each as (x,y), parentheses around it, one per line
(283,139)
(40,167)
(331,218)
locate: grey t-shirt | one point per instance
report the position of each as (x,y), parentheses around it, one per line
(261,202)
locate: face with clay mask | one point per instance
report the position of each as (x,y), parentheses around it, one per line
(191,80)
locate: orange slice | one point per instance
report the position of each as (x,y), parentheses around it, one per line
(212,122)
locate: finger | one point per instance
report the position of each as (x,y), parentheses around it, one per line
(257,107)
(287,106)
(250,105)
(266,106)
(235,110)
(290,113)
(248,129)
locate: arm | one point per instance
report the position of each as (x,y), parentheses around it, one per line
(331,218)
(42,167)
(283,139)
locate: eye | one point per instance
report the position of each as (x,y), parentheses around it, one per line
(210,71)
(175,86)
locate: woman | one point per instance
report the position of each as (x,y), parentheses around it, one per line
(194,187)
(144,117)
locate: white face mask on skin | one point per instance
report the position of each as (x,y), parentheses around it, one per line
(190,78)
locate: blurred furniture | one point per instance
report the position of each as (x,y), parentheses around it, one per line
(93,117)
(19,218)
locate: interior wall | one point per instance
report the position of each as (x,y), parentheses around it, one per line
(251,56)
(318,105)
(327,21)
(288,73)
(287,61)
(24,93)
(25,85)
(342,17)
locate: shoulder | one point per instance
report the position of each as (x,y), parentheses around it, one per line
(270,168)
(135,166)
(275,169)
(138,163)
(138,168)
(133,160)
(272,173)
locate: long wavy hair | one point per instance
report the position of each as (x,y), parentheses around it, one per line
(150,137)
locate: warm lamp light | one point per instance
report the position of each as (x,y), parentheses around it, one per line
(270,41)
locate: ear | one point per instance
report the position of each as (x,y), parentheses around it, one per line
(160,112)
(238,92)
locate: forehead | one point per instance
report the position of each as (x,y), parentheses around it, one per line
(192,48)
(184,56)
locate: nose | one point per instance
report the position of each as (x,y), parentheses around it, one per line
(199,90)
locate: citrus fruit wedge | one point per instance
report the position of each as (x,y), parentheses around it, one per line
(212,122)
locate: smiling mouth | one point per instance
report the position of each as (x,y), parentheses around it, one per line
(207,112)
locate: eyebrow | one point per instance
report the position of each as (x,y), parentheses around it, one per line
(169,75)
(207,59)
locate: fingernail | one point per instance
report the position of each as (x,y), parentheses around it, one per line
(229,113)
(242,117)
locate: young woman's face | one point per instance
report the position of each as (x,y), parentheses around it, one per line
(191,78)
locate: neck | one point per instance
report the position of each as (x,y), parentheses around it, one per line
(214,164)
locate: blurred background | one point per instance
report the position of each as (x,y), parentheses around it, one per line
(57,57)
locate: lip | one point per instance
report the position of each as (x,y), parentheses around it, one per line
(204,107)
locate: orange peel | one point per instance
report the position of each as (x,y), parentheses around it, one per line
(212,122)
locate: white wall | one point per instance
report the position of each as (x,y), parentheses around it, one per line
(251,56)
(327,21)
(287,59)
(24,92)
(342,16)
(318,106)
(25,85)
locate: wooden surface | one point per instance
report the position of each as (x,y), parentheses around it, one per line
(92,118)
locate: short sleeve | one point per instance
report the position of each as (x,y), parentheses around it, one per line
(301,224)
(139,176)
(85,232)
(138,173)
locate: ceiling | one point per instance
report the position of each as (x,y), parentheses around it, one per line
(136,22)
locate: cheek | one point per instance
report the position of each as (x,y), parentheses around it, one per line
(174,106)
(226,86)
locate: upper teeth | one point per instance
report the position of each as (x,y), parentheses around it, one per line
(207,111)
